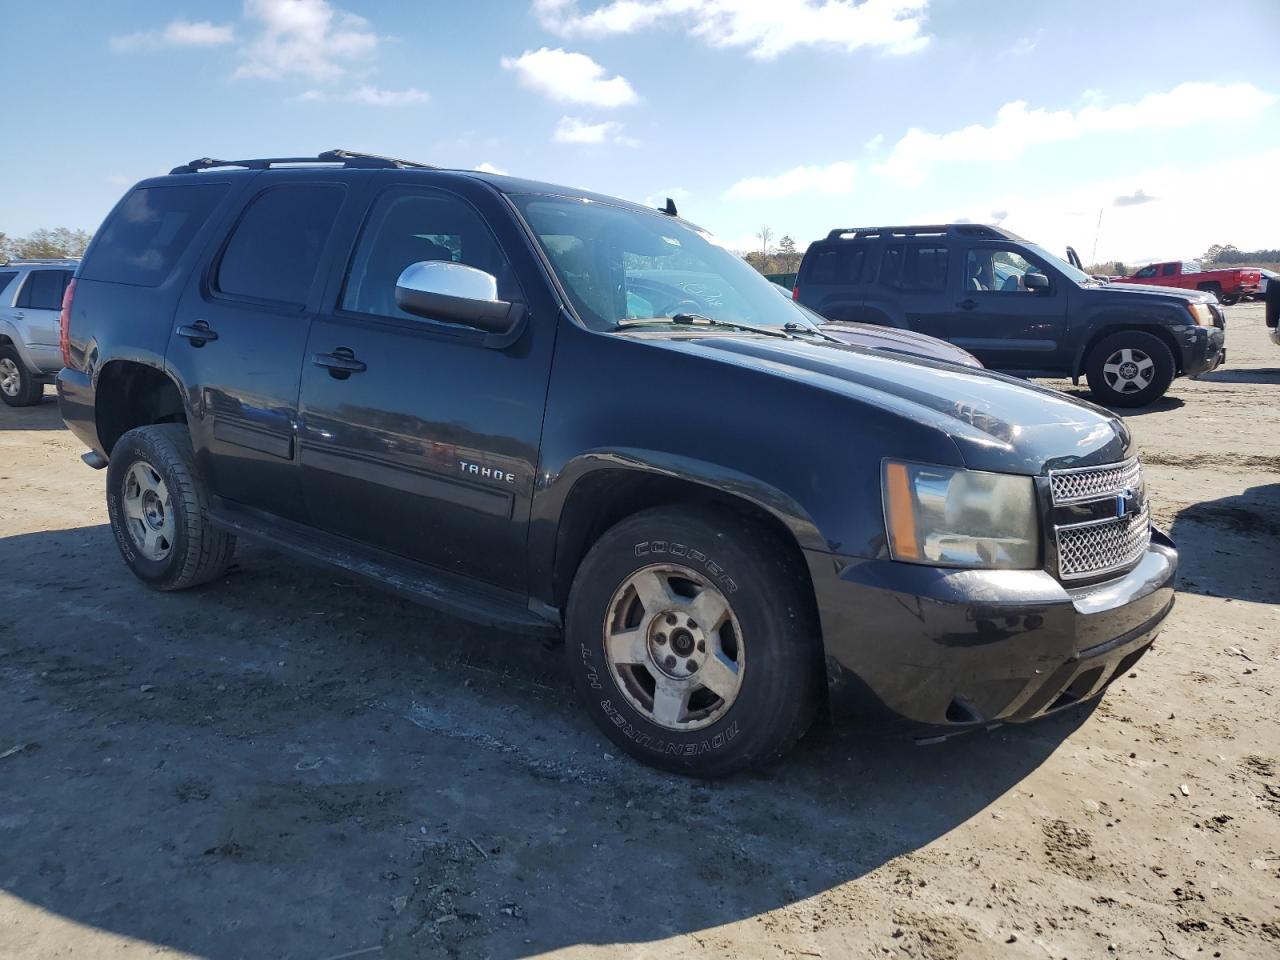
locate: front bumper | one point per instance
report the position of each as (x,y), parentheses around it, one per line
(1203,349)
(954,649)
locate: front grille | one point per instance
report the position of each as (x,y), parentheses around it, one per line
(1094,483)
(1092,549)
(1120,532)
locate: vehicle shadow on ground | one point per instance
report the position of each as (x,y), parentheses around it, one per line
(287,764)
(1162,405)
(39,416)
(1246,375)
(1227,547)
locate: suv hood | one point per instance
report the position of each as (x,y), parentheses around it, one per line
(1147,290)
(894,340)
(996,422)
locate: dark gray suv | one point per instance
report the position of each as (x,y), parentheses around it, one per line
(1015,306)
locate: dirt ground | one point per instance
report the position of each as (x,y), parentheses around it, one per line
(285,764)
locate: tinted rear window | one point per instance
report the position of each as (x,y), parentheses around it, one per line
(6,278)
(275,249)
(43,289)
(144,237)
(842,264)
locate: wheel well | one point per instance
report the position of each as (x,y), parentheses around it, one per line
(134,395)
(603,498)
(1157,331)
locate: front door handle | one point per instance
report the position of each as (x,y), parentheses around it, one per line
(967,304)
(341,364)
(198,333)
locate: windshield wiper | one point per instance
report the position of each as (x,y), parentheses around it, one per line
(792,327)
(697,319)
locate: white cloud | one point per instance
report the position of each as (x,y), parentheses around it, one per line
(177,33)
(487,167)
(369,95)
(835,179)
(1018,127)
(305,38)
(766,28)
(569,77)
(1186,211)
(576,130)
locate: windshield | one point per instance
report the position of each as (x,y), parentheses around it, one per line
(1070,272)
(619,264)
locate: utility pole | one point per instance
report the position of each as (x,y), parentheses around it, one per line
(1096,230)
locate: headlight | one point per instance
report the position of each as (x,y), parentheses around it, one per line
(951,517)
(1202,313)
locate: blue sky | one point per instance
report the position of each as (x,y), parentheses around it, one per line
(800,114)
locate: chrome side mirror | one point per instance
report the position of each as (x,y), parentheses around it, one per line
(455,293)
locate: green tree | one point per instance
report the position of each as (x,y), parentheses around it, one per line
(787,247)
(44,243)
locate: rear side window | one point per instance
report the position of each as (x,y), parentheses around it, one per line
(6,278)
(275,249)
(914,267)
(144,237)
(43,290)
(1168,270)
(841,264)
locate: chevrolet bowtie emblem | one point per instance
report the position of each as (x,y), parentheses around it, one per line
(1126,503)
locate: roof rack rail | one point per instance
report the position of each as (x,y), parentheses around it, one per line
(351,159)
(979,230)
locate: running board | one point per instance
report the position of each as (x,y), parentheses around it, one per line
(446,592)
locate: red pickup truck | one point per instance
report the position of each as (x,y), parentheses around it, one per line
(1228,285)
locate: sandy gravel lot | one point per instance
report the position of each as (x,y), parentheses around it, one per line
(285,764)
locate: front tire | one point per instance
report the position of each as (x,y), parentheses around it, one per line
(159,510)
(692,641)
(18,386)
(1129,369)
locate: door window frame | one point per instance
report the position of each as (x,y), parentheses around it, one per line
(963,273)
(449,332)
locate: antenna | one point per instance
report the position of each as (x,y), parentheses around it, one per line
(670,208)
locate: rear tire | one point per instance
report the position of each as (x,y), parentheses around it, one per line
(18,386)
(692,640)
(159,510)
(1228,300)
(1129,369)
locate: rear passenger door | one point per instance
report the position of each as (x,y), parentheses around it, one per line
(911,285)
(428,448)
(239,333)
(38,306)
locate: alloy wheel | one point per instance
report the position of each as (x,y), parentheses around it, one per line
(148,511)
(1128,370)
(10,377)
(674,646)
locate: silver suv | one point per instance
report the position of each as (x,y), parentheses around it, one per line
(30,304)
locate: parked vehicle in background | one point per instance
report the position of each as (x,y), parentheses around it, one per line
(1228,285)
(1272,315)
(30,301)
(1014,306)
(563,413)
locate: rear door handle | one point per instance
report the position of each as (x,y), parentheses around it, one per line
(341,364)
(198,333)
(967,304)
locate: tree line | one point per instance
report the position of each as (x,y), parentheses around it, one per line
(45,244)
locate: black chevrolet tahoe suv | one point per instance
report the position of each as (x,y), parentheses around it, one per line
(562,413)
(1015,306)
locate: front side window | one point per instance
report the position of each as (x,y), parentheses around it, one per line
(409,226)
(275,249)
(993,270)
(1146,272)
(43,290)
(616,263)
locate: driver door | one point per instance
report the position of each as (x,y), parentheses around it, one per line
(999,320)
(416,438)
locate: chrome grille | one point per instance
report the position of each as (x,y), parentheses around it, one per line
(1094,483)
(1100,546)
(1091,549)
